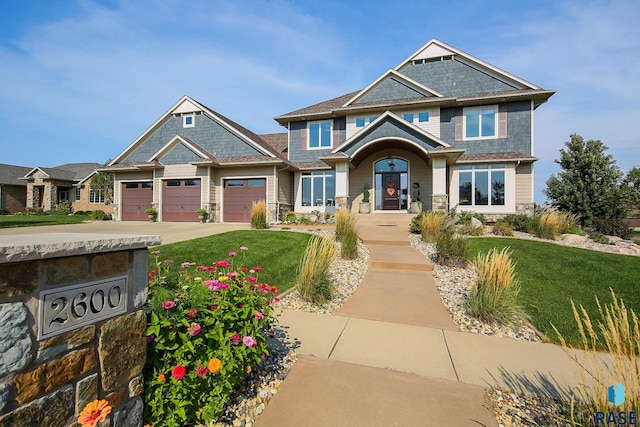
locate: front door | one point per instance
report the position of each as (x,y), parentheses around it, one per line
(391,191)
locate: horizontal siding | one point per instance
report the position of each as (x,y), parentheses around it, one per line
(432,126)
(285,187)
(523,184)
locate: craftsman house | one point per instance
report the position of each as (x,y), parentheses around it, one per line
(454,127)
(47,188)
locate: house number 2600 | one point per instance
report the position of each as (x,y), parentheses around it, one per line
(68,308)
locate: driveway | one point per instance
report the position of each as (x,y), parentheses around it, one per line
(169,231)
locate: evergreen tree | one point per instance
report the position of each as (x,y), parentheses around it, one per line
(589,184)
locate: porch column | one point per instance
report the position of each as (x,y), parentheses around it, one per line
(439,197)
(342,185)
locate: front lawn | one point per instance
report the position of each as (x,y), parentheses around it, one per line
(553,275)
(11,221)
(277,252)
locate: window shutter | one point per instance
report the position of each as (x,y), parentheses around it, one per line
(502,124)
(457,121)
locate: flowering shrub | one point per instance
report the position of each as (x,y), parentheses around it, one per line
(207,325)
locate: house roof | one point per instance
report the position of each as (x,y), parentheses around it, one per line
(432,49)
(188,104)
(11,174)
(278,141)
(74,172)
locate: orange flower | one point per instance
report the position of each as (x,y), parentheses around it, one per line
(214,365)
(161,377)
(94,413)
(248,369)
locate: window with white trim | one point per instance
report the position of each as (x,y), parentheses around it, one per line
(481,185)
(96,196)
(319,135)
(480,122)
(188,120)
(77,193)
(423,116)
(408,117)
(359,122)
(318,189)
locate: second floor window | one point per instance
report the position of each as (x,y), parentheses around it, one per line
(480,122)
(320,135)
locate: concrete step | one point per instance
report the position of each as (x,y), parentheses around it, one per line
(384,265)
(397,258)
(370,242)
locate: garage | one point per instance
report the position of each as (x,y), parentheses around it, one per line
(239,195)
(180,199)
(136,197)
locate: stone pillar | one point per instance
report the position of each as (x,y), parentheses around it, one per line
(72,326)
(439,202)
(342,184)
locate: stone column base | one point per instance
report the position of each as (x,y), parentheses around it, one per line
(439,202)
(342,202)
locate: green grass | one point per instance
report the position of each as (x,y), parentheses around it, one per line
(553,275)
(11,221)
(277,252)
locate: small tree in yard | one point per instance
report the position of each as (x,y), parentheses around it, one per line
(103,181)
(589,184)
(631,183)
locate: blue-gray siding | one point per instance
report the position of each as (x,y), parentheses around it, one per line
(453,78)
(388,90)
(518,131)
(389,129)
(179,155)
(207,133)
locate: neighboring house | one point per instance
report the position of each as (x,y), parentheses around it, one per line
(46,188)
(458,127)
(13,190)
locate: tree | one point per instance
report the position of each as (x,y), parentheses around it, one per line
(589,184)
(103,181)
(631,183)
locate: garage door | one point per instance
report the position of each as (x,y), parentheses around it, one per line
(136,197)
(239,194)
(180,199)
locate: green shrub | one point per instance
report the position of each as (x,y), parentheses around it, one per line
(432,222)
(313,281)
(207,327)
(64,208)
(450,249)
(599,238)
(259,215)
(502,228)
(82,213)
(613,227)
(97,215)
(415,227)
(469,230)
(519,222)
(494,298)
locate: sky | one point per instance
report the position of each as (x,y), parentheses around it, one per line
(80,80)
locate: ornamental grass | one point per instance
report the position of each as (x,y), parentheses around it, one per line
(346,233)
(494,298)
(432,222)
(451,249)
(551,224)
(313,282)
(345,220)
(259,215)
(617,332)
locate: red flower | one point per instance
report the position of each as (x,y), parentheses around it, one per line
(202,371)
(257,269)
(235,338)
(179,372)
(245,269)
(192,313)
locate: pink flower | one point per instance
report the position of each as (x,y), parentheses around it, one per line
(276,299)
(168,305)
(150,338)
(155,252)
(192,313)
(223,286)
(244,248)
(168,262)
(235,339)
(224,263)
(202,371)
(258,315)
(265,356)
(252,279)
(194,329)
(185,264)
(233,254)
(249,341)
(179,372)
(232,274)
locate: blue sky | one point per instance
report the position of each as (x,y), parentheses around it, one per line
(81,79)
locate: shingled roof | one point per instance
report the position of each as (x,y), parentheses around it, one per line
(11,174)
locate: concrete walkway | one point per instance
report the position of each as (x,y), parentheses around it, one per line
(392,356)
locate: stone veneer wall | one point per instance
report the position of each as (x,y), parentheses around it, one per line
(48,382)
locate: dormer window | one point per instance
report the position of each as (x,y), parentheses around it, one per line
(319,135)
(188,121)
